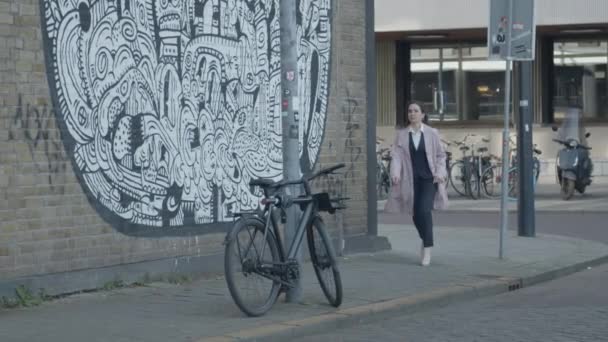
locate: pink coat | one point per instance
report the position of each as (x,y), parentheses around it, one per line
(401,197)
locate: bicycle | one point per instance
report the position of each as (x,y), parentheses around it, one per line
(278,269)
(514,174)
(448,162)
(383,178)
(492,175)
(458,171)
(465,173)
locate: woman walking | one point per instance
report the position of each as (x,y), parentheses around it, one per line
(418,172)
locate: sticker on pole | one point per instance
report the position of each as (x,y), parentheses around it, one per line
(519,25)
(290,75)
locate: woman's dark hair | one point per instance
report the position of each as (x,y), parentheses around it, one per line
(406,120)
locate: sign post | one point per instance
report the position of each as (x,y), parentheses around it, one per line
(511,36)
(290,105)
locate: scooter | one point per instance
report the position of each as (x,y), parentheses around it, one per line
(573,166)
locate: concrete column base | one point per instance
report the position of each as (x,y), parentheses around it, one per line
(366,244)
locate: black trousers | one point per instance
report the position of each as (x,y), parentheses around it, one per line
(424,196)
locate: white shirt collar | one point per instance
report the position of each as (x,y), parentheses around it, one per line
(414,132)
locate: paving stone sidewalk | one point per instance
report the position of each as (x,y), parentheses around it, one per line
(465,266)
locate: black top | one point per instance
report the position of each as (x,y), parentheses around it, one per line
(420,164)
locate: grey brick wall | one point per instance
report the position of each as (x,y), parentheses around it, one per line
(345,135)
(46,222)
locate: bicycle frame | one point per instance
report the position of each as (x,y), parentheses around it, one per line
(270,220)
(304,222)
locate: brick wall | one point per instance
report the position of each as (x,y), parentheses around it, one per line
(48,226)
(345,134)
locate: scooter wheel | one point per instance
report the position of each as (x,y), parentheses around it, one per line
(567,189)
(581,189)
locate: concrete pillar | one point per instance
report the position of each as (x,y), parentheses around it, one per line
(589,92)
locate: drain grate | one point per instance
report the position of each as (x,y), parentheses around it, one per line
(487,276)
(516,285)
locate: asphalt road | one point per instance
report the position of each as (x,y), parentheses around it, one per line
(574,308)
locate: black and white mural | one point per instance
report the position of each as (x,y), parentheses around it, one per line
(170,107)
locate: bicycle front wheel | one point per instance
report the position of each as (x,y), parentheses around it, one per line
(458,178)
(536,169)
(513,184)
(384,184)
(490,181)
(474,183)
(324,262)
(247,260)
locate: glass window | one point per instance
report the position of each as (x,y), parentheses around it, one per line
(458,83)
(427,53)
(479,52)
(580,68)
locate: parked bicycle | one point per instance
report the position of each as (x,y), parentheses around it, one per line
(458,172)
(264,261)
(465,173)
(514,174)
(491,179)
(383,177)
(448,161)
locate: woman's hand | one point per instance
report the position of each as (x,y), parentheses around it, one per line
(395,179)
(438,180)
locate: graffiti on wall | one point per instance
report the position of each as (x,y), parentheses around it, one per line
(352,150)
(34,126)
(171,107)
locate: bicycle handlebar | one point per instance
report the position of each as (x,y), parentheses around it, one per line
(327,171)
(304,180)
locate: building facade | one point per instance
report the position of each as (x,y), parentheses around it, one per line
(436,53)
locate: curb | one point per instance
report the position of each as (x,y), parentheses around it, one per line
(514,210)
(373,312)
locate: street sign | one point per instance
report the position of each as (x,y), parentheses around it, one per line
(522,30)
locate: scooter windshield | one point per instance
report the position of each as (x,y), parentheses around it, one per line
(571,127)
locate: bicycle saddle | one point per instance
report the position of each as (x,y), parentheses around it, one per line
(265,183)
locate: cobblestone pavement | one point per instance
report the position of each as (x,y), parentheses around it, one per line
(573,308)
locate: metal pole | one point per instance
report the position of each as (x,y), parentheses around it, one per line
(370,67)
(504,209)
(440,86)
(289,111)
(526,219)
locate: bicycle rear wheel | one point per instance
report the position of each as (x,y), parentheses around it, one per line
(513,185)
(458,178)
(384,184)
(490,181)
(245,256)
(324,261)
(474,183)
(536,169)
